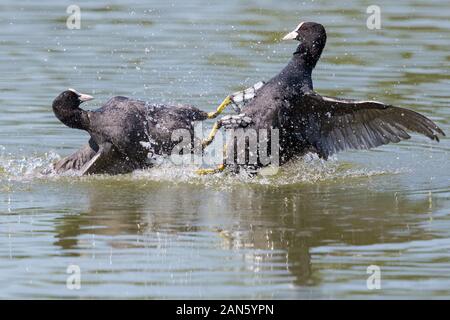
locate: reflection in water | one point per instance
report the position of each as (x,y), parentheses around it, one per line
(273,229)
(310,232)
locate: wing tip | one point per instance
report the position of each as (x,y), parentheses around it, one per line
(438,132)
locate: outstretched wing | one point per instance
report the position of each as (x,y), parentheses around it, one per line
(333,125)
(107,160)
(94,159)
(78,159)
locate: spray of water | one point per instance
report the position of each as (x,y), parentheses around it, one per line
(308,169)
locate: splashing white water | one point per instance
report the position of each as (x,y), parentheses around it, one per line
(26,166)
(308,169)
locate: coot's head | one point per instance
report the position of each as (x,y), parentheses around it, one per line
(71,99)
(312,38)
(66,107)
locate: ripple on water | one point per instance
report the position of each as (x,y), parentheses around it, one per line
(308,169)
(309,231)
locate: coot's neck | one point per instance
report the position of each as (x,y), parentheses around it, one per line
(72,116)
(297,73)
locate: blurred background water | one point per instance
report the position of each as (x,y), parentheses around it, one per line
(309,232)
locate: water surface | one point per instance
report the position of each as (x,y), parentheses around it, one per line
(309,232)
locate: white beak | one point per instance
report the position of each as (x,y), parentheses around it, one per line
(83,97)
(291,35)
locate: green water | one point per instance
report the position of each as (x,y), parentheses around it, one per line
(309,232)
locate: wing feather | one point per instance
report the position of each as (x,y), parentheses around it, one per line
(351,124)
(78,159)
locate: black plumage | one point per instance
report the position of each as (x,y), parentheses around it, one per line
(125,133)
(309,122)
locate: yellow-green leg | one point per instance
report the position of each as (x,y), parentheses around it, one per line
(223,105)
(219,168)
(211,135)
(203,172)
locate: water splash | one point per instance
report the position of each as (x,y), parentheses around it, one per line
(25,167)
(308,169)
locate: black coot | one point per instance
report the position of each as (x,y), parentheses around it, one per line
(125,133)
(310,122)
